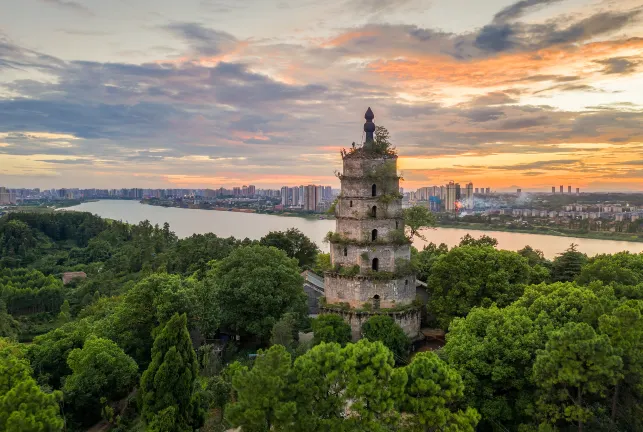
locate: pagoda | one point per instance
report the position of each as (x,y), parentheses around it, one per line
(370,254)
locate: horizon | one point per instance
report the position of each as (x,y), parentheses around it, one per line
(208,93)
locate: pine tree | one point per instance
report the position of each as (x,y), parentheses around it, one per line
(167,399)
(567,265)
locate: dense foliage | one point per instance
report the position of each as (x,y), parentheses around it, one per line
(532,344)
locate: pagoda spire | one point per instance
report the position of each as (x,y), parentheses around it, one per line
(369,126)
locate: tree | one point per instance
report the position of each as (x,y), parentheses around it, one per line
(431,396)
(262,403)
(374,386)
(384,329)
(417,218)
(24,407)
(253,287)
(294,243)
(285,331)
(469,276)
(150,304)
(484,240)
(9,327)
(575,364)
(568,265)
(424,259)
(493,349)
(322,263)
(99,370)
(534,256)
(331,328)
(319,384)
(166,386)
(622,268)
(65,314)
(624,327)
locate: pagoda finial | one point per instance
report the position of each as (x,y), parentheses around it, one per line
(369,126)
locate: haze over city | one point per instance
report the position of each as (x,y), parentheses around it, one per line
(206,94)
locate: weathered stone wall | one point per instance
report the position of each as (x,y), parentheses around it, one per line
(357,290)
(409,320)
(362,208)
(362,230)
(362,187)
(386,254)
(358,166)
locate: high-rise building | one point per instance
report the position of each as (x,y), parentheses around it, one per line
(553,189)
(477,190)
(328,193)
(295,196)
(569,190)
(452,196)
(252,190)
(518,191)
(468,196)
(7,196)
(487,191)
(312,198)
(244,190)
(577,191)
(561,188)
(284,196)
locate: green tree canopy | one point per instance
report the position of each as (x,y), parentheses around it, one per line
(622,268)
(484,240)
(331,328)
(166,388)
(432,394)
(295,244)
(262,402)
(567,266)
(24,407)
(471,276)
(99,370)
(575,364)
(253,287)
(417,218)
(384,329)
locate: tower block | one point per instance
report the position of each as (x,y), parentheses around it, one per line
(370,254)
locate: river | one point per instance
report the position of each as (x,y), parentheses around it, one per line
(185,222)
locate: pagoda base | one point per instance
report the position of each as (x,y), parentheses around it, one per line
(408,319)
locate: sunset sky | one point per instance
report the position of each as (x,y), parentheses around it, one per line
(210,93)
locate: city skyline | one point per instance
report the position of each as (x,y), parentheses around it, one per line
(507,94)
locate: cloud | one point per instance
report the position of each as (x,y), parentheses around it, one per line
(518,9)
(70,5)
(204,41)
(619,65)
(493,98)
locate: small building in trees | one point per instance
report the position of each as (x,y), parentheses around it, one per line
(370,254)
(70,276)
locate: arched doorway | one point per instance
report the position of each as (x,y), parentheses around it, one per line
(374,211)
(376,301)
(374,235)
(376,264)
(373,190)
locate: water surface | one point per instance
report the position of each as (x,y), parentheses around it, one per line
(185,222)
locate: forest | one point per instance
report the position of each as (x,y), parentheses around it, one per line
(207,333)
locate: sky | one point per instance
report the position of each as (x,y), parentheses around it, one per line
(207,93)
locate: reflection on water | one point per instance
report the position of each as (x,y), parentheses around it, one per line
(185,222)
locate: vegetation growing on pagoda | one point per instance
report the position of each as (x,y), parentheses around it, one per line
(395,237)
(380,146)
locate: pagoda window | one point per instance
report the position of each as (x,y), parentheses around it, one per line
(345,252)
(350,203)
(374,211)
(397,224)
(374,190)
(376,301)
(376,264)
(374,235)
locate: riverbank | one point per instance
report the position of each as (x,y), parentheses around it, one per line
(601,235)
(308,216)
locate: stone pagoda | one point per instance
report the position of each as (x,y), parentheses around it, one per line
(370,255)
